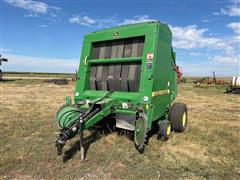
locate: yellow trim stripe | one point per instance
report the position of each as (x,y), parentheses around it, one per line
(147,106)
(85,60)
(162,92)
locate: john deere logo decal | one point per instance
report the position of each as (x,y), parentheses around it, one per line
(116,34)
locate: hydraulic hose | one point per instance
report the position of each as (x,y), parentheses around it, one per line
(73,119)
(65,135)
(98,100)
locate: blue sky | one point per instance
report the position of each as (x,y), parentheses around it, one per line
(46,36)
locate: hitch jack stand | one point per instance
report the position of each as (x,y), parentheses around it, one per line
(81,148)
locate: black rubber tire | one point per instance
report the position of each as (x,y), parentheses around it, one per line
(176,117)
(164,132)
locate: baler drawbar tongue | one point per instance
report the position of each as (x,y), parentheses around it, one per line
(73,120)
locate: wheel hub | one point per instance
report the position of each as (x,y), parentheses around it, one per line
(184,118)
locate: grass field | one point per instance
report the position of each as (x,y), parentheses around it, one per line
(208,149)
(37,74)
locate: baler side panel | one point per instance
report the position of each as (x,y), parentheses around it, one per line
(174,84)
(147,76)
(84,70)
(163,76)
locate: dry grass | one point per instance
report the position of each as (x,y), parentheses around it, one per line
(210,147)
(35,74)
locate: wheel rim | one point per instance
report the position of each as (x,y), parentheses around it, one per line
(168,130)
(184,119)
(140,131)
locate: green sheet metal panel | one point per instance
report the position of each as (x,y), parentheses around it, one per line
(163,73)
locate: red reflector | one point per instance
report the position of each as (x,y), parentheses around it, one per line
(150,56)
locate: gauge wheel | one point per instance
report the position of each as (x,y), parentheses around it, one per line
(164,130)
(140,134)
(178,117)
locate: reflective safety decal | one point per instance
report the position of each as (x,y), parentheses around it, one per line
(162,92)
(150,56)
(125,105)
(88,101)
(149,65)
